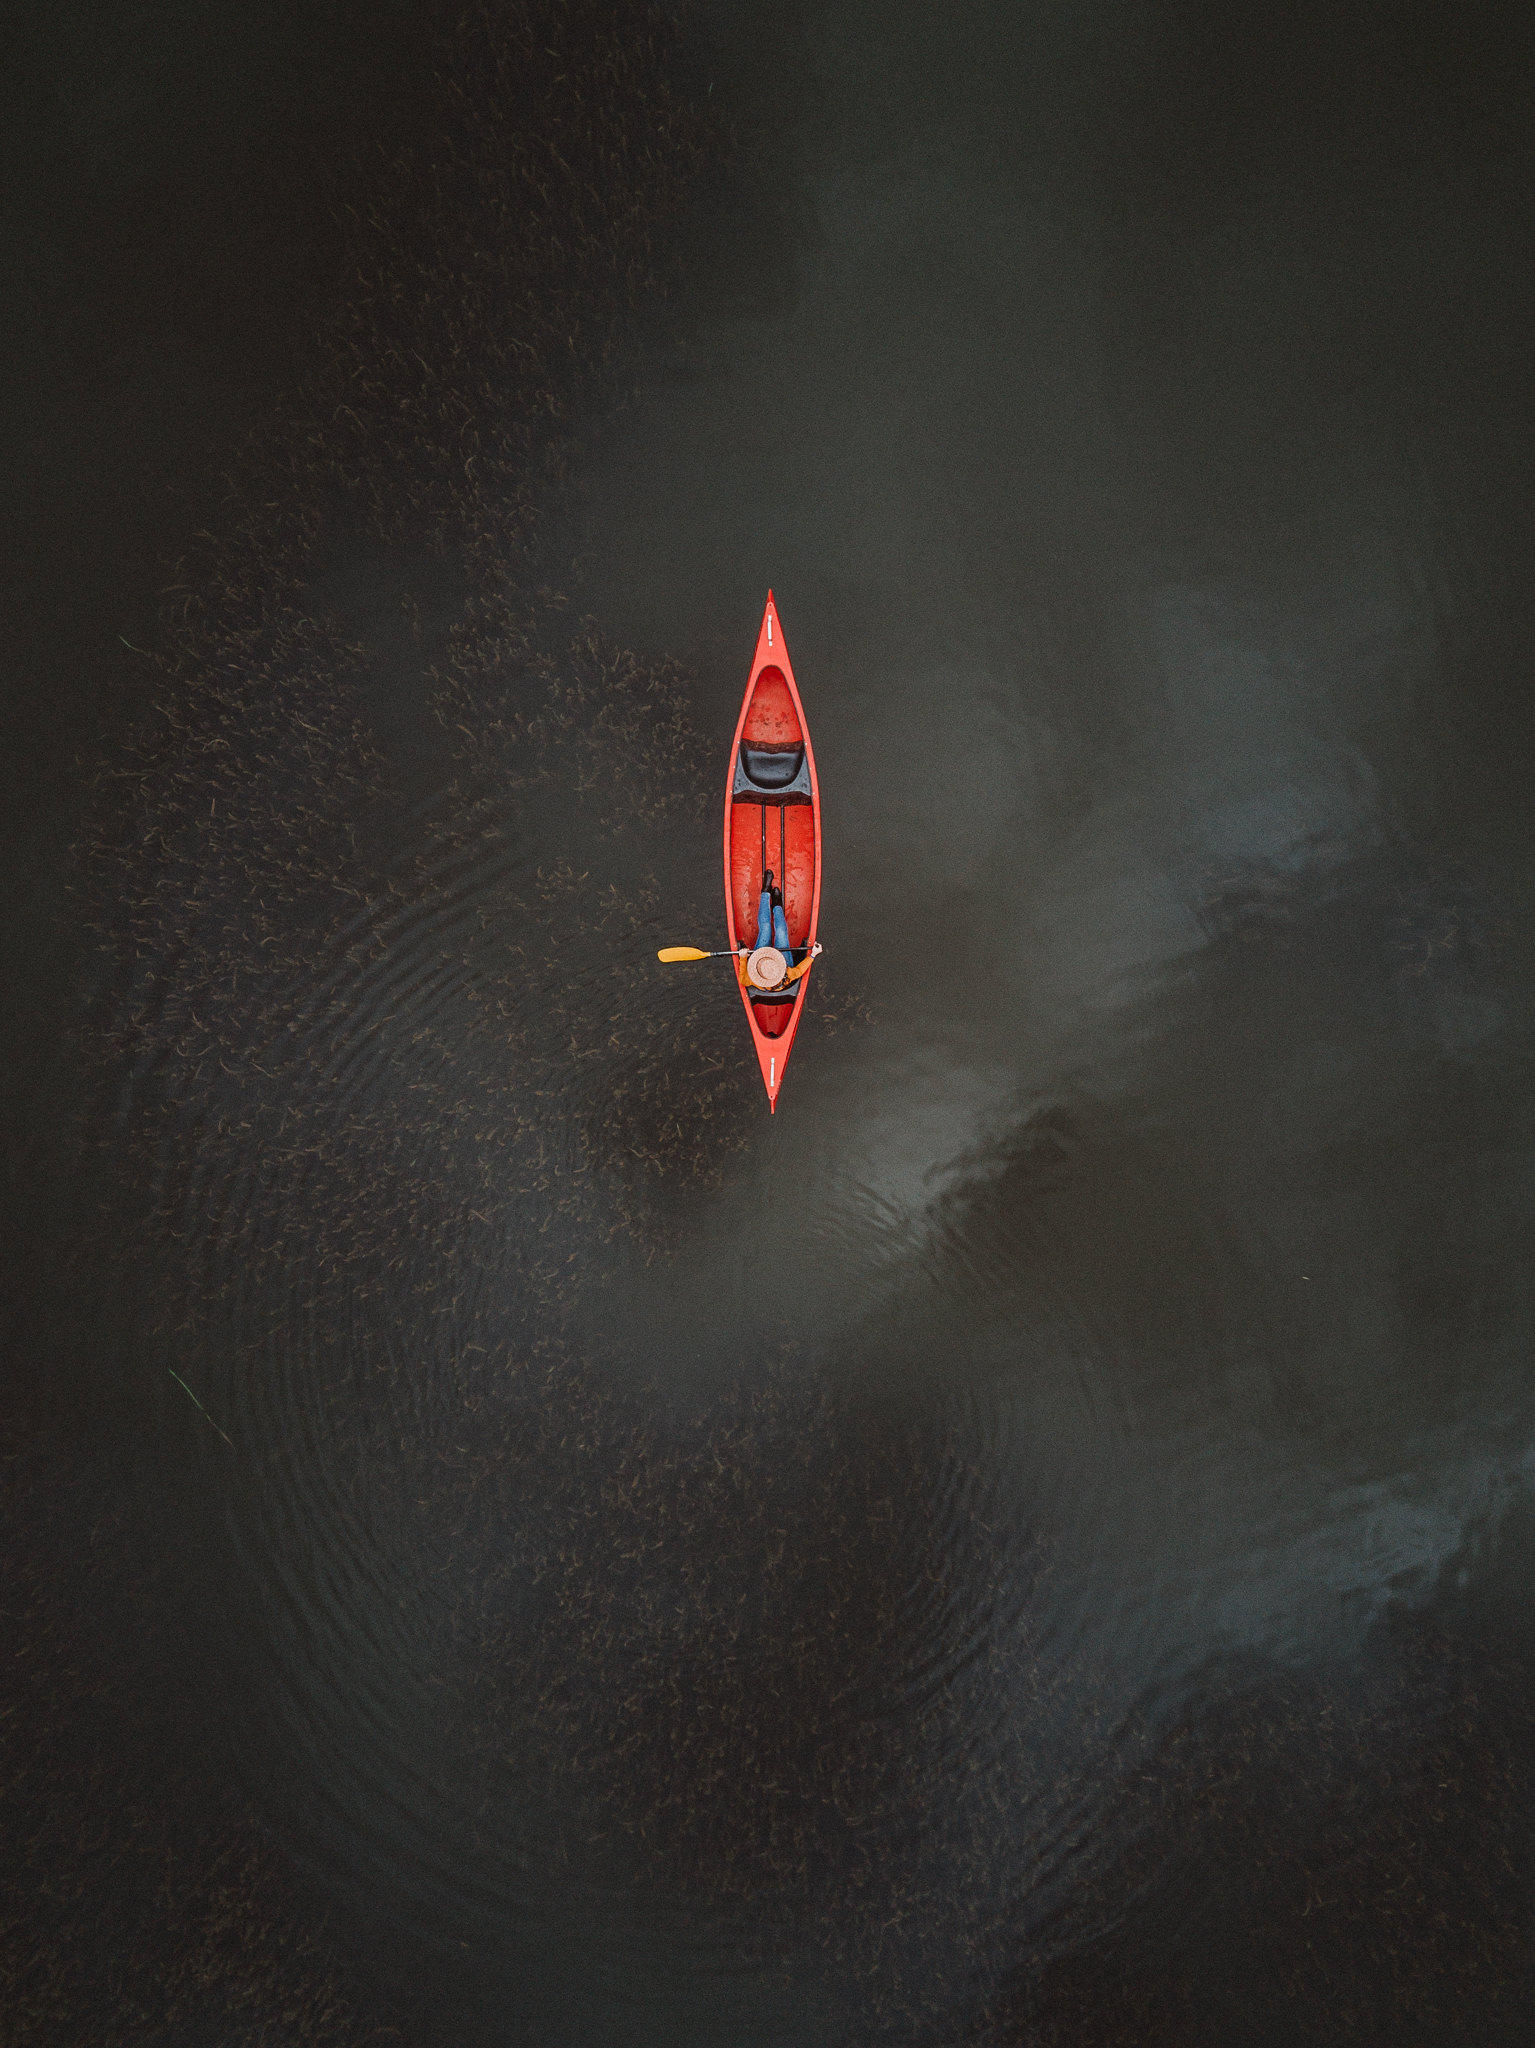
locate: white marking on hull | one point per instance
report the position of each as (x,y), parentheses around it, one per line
(772,1063)
(770,629)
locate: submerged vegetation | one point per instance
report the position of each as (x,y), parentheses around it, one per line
(260,828)
(273,894)
(477,1645)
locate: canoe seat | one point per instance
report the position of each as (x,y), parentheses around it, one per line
(771,775)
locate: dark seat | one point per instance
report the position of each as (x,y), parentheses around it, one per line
(771,775)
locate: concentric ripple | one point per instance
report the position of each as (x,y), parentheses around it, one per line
(527,1634)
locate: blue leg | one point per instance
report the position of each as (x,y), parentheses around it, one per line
(780,932)
(765,919)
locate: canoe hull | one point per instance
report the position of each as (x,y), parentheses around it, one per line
(784,826)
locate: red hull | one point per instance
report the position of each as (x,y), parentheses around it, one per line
(773,720)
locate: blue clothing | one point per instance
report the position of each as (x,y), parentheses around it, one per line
(771,928)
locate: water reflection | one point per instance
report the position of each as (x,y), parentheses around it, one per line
(795,1581)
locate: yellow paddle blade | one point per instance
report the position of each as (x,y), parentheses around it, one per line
(670,953)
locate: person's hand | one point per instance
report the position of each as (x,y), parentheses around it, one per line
(815,949)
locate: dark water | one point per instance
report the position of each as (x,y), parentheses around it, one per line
(1030,1544)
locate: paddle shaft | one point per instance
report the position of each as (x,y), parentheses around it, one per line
(671,954)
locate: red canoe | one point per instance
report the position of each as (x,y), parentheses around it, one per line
(772,820)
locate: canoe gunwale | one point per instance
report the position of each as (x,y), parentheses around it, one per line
(772,1049)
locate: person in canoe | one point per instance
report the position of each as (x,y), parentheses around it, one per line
(768,967)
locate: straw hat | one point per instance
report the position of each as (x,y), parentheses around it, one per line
(766,967)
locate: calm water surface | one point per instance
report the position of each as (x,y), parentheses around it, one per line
(986,1554)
